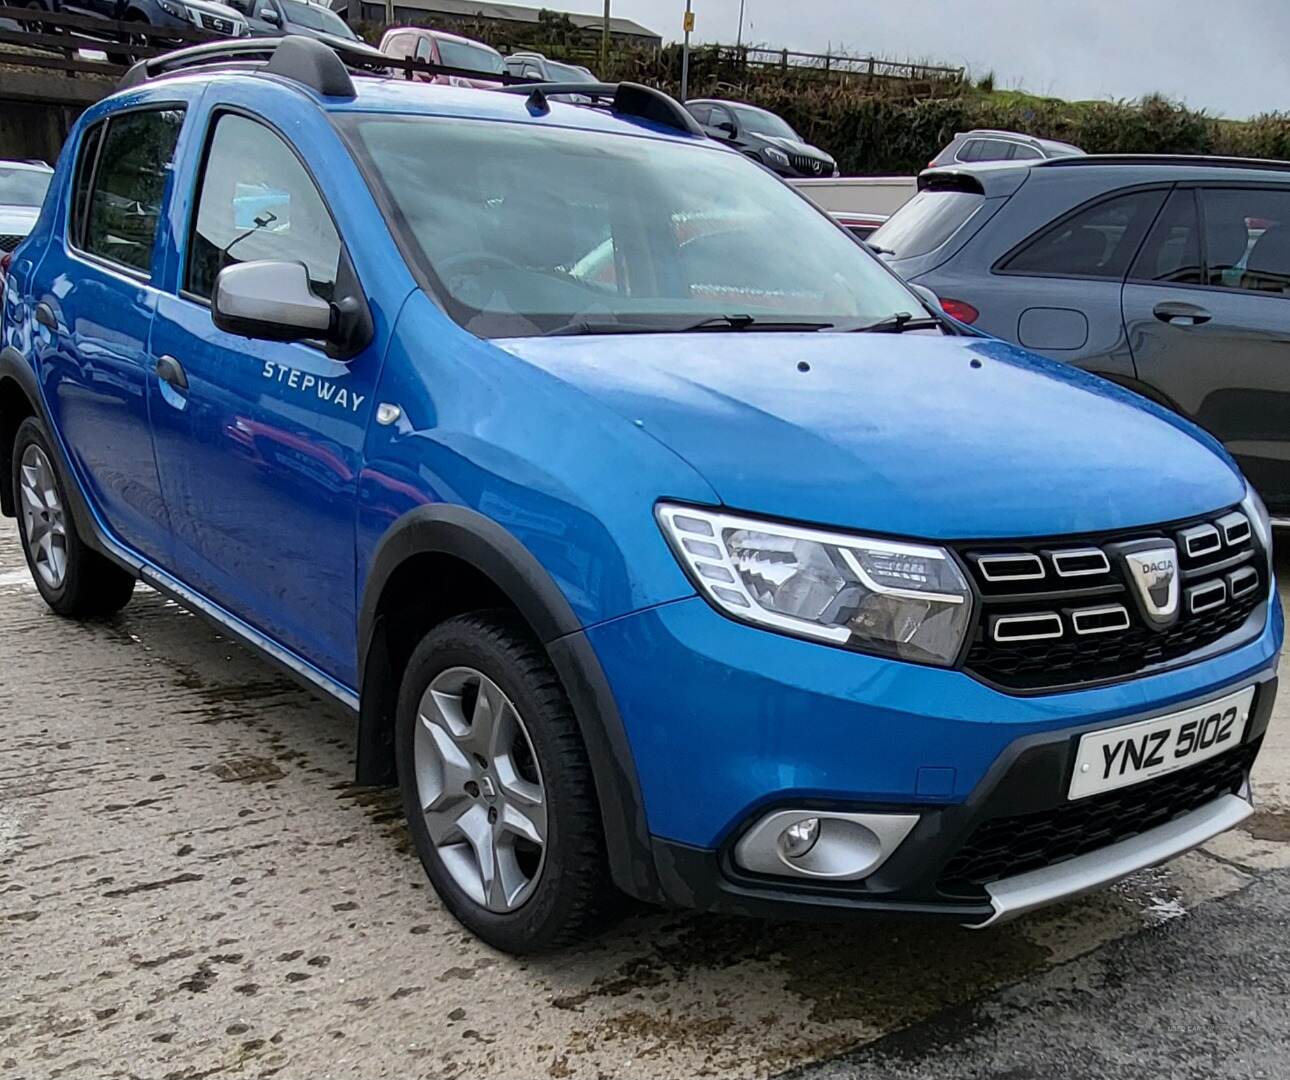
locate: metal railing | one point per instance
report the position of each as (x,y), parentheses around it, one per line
(843,65)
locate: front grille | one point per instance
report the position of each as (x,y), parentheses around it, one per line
(1064,613)
(215,23)
(9,242)
(1007,846)
(805,164)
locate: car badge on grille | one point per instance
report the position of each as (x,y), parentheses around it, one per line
(1154,573)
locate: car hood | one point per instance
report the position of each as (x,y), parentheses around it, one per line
(916,435)
(18,220)
(223,11)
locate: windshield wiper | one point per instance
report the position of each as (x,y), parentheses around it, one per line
(751,322)
(579,327)
(899,323)
(713,323)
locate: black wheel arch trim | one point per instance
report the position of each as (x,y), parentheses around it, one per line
(465,534)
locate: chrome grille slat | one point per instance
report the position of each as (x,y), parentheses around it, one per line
(1085,619)
(1200,540)
(1065,563)
(994,568)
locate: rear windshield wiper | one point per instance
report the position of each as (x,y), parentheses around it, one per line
(899,323)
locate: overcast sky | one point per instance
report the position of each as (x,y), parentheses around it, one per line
(1231,57)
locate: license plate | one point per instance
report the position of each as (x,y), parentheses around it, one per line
(1121,756)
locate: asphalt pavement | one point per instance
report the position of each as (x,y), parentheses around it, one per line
(191,886)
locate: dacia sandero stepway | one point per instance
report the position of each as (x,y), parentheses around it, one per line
(662,540)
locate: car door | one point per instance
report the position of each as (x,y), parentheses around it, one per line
(1059,291)
(96,300)
(259,442)
(1207,310)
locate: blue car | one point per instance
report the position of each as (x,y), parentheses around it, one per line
(662,541)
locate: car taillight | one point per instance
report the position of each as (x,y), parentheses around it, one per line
(959,309)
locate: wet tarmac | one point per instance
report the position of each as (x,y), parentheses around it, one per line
(191,886)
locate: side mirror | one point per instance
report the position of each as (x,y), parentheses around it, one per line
(270,300)
(270,16)
(726,128)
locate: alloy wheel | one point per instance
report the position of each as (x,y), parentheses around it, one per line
(43,517)
(480,789)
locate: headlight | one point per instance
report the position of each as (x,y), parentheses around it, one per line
(177,10)
(1262,523)
(776,156)
(907,601)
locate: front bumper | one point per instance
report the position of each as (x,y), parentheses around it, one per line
(727,722)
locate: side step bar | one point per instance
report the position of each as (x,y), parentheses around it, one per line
(1085,873)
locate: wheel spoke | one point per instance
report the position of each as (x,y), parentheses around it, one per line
(516,822)
(443,771)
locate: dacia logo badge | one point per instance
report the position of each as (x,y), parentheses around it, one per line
(1154,573)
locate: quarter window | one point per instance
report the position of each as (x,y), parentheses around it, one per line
(1098,241)
(1172,251)
(258,202)
(1247,239)
(84,176)
(128,183)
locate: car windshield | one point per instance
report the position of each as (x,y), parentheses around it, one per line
(23,187)
(316,17)
(925,222)
(525,230)
(468,57)
(760,122)
(568,73)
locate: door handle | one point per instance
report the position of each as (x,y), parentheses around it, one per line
(1173,311)
(170,370)
(45,316)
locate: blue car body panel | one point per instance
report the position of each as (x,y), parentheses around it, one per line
(266,490)
(768,718)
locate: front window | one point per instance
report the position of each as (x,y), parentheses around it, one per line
(23,187)
(316,17)
(529,230)
(468,57)
(760,122)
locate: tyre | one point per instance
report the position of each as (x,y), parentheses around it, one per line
(73,580)
(497,787)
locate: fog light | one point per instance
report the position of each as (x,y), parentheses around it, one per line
(800,837)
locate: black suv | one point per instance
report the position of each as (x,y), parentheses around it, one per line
(763,136)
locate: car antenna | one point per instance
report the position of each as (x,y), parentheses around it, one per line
(537,103)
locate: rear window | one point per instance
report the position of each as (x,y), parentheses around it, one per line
(925,222)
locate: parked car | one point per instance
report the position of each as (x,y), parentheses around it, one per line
(22,192)
(983,144)
(208,15)
(722,572)
(272,18)
(762,136)
(859,203)
(533,65)
(1142,269)
(450,50)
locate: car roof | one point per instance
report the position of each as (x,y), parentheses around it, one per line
(993,178)
(402,97)
(31,166)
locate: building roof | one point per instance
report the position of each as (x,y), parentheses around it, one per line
(517,13)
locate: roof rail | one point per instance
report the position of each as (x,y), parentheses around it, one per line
(322,65)
(624,98)
(1183,160)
